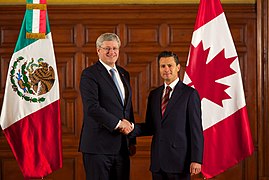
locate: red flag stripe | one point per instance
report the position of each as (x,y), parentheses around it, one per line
(33,141)
(42,1)
(231,136)
(207,11)
(42,22)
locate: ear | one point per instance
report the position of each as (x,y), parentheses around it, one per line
(98,50)
(178,67)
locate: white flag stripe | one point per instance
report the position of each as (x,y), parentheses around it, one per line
(36,21)
(215,29)
(230,106)
(36,1)
(11,114)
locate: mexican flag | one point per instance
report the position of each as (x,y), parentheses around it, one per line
(30,114)
(213,69)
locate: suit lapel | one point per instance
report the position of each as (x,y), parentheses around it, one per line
(159,100)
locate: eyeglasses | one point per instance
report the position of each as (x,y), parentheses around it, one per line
(107,49)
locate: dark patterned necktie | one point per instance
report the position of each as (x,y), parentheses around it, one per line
(165,98)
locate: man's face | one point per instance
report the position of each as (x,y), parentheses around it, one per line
(168,69)
(109,52)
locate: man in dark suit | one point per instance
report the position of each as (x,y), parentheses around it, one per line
(174,120)
(107,107)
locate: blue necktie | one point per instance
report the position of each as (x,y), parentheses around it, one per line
(113,75)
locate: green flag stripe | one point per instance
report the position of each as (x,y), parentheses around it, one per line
(22,40)
(29,20)
(29,1)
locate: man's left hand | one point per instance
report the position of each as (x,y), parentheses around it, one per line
(195,168)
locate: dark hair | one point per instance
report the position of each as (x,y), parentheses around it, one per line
(168,54)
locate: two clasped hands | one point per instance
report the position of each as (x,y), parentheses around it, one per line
(126,127)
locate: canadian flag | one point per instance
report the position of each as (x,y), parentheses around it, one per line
(30,114)
(213,70)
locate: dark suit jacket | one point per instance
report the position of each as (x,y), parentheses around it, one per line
(178,136)
(102,110)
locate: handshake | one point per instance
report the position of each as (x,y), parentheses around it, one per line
(125,127)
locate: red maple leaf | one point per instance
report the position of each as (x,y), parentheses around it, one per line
(204,76)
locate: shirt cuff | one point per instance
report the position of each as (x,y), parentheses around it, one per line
(118,125)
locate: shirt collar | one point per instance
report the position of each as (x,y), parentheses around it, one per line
(108,67)
(172,85)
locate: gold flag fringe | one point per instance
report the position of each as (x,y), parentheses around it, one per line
(36,6)
(35,35)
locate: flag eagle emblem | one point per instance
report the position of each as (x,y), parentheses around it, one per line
(31,79)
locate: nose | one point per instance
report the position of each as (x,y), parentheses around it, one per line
(111,51)
(166,68)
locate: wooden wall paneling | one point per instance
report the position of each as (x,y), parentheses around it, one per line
(145,30)
(9,168)
(250,81)
(265,131)
(266,90)
(246,48)
(263,86)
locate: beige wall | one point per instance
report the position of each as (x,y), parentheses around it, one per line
(11,2)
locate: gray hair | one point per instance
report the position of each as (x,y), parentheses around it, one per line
(107,37)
